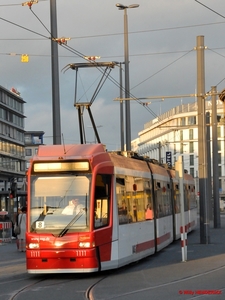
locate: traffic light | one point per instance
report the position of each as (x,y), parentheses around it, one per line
(13,189)
(12,195)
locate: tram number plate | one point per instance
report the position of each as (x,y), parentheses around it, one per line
(40,224)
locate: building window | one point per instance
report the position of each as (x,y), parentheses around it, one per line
(182,121)
(174,149)
(28,152)
(192,120)
(191,147)
(192,172)
(220,171)
(27,138)
(181,135)
(218,131)
(22,166)
(181,148)
(191,160)
(191,134)
(219,158)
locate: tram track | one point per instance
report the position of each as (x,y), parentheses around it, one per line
(24,288)
(202,285)
(75,286)
(89,294)
(98,287)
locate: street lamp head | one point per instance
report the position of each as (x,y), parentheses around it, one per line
(133,6)
(121,6)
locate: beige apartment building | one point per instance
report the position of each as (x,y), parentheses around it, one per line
(175,133)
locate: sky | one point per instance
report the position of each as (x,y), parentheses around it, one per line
(162,40)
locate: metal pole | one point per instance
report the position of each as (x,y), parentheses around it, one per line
(75,94)
(209,185)
(93,124)
(202,147)
(80,113)
(121,111)
(55,76)
(160,152)
(127,83)
(217,223)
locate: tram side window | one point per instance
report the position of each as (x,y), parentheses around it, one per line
(122,202)
(143,200)
(158,196)
(134,199)
(149,208)
(190,195)
(102,200)
(163,199)
(186,198)
(176,198)
(193,201)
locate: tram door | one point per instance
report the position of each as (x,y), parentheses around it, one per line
(102,228)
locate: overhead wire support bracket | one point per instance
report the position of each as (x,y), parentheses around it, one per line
(206,95)
(156,97)
(62,40)
(30,3)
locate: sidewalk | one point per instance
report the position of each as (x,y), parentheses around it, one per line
(11,260)
(216,243)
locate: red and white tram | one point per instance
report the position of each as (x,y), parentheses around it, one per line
(91,210)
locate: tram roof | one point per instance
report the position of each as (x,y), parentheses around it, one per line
(99,153)
(69,150)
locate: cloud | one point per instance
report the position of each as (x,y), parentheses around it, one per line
(162,37)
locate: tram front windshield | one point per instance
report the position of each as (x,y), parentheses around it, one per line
(59,204)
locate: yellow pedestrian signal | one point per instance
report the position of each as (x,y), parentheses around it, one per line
(24,58)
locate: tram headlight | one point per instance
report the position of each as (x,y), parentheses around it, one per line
(86,244)
(33,246)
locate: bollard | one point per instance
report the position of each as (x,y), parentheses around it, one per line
(183,239)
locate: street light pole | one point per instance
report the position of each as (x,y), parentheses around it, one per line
(202,144)
(127,80)
(121,111)
(55,77)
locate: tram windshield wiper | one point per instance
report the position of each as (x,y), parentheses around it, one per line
(74,220)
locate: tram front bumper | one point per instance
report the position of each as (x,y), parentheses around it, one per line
(62,261)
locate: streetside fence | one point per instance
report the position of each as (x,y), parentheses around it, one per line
(5,232)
